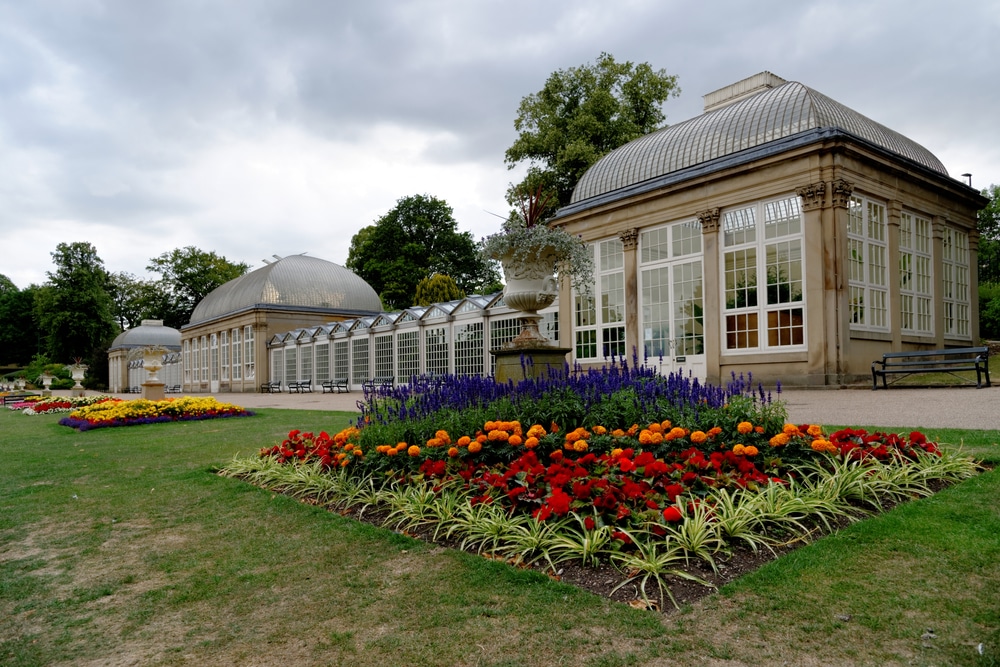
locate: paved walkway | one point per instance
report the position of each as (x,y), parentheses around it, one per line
(900,407)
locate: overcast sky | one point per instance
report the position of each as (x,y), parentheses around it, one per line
(260,127)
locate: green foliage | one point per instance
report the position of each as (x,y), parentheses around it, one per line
(989,237)
(989,311)
(416,239)
(584,112)
(74,311)
(437,289)
(188,276)
(136,300)
(18,331)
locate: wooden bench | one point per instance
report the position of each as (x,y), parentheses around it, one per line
(932,361)
(15,398)
(270,388)
(338,385)
(379,384)
(300,387)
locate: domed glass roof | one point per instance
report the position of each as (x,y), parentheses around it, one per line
(773,114)
(150,332)
(295,281)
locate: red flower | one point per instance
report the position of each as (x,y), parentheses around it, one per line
(588,523)
(672,514)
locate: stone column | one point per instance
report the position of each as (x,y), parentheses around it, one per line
(835,280)
(711,274)
(630,242)
(814,272)
(937,275)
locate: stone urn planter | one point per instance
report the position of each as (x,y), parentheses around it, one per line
(46,383)
(530,286)
(152,362)
(77,371)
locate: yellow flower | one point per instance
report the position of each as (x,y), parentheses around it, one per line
(780,440)
(738,450)
(580,445)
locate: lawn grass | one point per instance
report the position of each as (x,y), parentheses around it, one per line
(122,544)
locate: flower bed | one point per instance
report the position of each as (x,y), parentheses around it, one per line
(40,405)
(718,469)
(117,412)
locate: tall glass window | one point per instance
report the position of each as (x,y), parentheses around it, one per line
(671,292)
(383,356)
(867,265)
(248,353)
(359,360)
(407,355)
(214,358)
(341,360)
(600,323)
(322,352)
(436,350)
(955,282)
(469,348)
(224,354)
(915,295)
(762,246)
(237,357)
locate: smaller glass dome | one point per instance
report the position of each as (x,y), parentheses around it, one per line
(293,281)
(150,332)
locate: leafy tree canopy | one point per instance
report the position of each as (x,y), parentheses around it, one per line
(74,310)
(18,332)
(989,237)
(581,114)
(416,239)
(188,275)
(437,289)
(135,300)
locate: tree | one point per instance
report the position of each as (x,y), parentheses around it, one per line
(188,276)
(135,300)
(416,239)
(18,330)
(74,310)
(583,113)
(989,237)
(437,289)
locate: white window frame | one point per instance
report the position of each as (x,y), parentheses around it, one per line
(955,286)
(599,317)
(868,265)
(761,313)
(916,275)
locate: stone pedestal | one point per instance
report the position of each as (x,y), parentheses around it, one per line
(520,363)
(153,391)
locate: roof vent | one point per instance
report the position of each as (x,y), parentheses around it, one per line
(741,90)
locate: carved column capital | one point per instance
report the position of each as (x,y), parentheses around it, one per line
(709,220)
(812,195)
(840,193)
(629,238)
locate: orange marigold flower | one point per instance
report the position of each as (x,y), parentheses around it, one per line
(434,442)
(514,440)
(572,436)
(790,429)
(531,442)
(655,428)
(481,439)
(617,451)
(498,435)
(739,450)
(475,446)
(464,441)
(815,431)
(698,437)
(536,431)
(391,451)
(358,453)
(553,427)
(489,426)
(453,452)
(580,445)
(618,433)
(744,427)
(758,429)
(779,440)
(633,429)
(715,430)
(820,445)
(443,436)
(750,450)
(414,450)
(599,430)
(645,437)
(677,432)
(666,425)
(656,438)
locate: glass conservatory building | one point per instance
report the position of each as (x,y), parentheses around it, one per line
(780,233)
